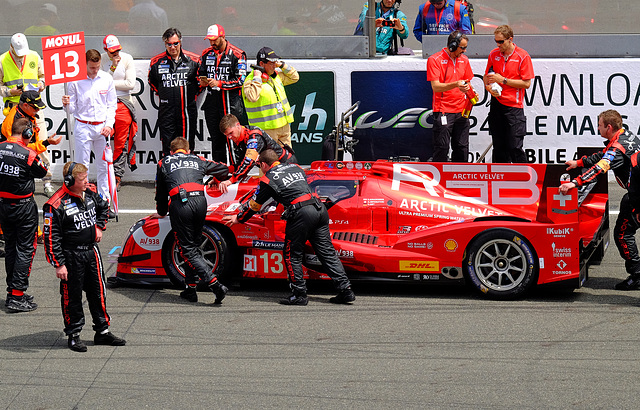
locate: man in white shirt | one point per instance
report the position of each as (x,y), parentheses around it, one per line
(122,68)
(92,102)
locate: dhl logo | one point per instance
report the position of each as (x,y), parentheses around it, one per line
(420,266)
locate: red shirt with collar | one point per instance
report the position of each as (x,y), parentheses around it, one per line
(517,66)
(443,68)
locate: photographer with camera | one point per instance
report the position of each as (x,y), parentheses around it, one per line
(390,21)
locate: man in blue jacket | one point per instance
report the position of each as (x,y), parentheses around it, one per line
(441,17)
(389,21)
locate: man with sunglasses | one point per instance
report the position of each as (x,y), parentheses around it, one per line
(450,72)
(511,68)
(123,70)
(441,17)
(173,76)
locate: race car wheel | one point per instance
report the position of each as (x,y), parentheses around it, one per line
(213,247)
(501,264)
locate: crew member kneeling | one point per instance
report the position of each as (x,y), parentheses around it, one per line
(74,218)
(307,219)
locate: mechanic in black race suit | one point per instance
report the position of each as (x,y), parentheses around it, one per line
(249,143)
(173,76)
(621,145)
(307,219)
(74,218)
(223,69)
(180,176)
(19,165)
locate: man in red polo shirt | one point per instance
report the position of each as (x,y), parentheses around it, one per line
(510,67)
(450,72)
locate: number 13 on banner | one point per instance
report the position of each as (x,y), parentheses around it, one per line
(64,58)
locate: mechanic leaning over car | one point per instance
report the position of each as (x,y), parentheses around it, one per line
(249,143)
(180,176)
(74,218)
(616,156)
(307,219)
(19,165)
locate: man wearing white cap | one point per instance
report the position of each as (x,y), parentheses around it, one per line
(122,68)
(22,69)
(223,68)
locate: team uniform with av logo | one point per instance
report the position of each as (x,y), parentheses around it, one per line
(180,177)
(70,223)
(176,84)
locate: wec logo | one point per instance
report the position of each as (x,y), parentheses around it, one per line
(404,119)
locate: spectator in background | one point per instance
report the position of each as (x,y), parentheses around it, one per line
(222,71)
(146,17)
(450,72)
(121,67)
(173,76)
(21,70)
(390,21)
(441,17)
(265,98)
(47,19)
(510,67)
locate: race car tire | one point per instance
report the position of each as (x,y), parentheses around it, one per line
(501,264)
(214,248)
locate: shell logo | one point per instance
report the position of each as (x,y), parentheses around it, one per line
(450,245)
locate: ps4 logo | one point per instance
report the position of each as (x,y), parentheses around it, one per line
(404,119)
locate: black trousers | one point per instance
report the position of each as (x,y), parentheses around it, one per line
(454,132)
(187,220)
(311,222)
(19,223)
(85,273)
(175,122)
(507,126)
(624,236)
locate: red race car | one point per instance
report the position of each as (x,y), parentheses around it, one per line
(502,228)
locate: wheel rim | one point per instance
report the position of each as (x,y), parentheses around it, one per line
(208,249)
(500,265)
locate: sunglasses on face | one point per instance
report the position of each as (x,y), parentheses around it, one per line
(499,41)
(176,44)
(463,48)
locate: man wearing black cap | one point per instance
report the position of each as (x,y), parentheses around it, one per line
(19,165)
(265,98)
(223,68)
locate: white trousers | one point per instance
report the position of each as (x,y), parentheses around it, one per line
(87,139)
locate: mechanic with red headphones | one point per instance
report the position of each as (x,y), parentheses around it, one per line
(19,165)
(74,218)
(450,72)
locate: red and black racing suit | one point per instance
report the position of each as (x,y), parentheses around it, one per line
(19,165)
(176,84)
(180,177)
(230,68)
(307,219)
(617,156)
(70,224)
(253,141)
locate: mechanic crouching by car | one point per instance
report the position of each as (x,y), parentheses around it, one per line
(616,156)
(307,219)
(180,176)
(74,218)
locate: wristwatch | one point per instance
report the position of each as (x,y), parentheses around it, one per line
(504,80)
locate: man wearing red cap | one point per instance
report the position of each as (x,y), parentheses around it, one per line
(122,68)
(223,68)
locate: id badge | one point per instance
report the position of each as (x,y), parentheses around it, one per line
(279,107)
(443,119)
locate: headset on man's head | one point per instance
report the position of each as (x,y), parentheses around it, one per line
(69,180)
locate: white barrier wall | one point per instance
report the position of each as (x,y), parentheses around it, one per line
(561,106)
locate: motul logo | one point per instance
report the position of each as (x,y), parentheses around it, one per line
(563,231)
